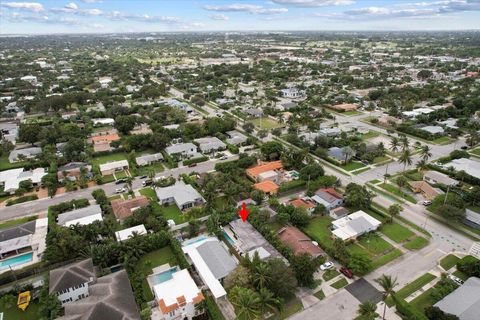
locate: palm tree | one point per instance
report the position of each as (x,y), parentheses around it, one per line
(261,275)
(394,210)
(367,310)
(348,153)
(405,158)
(425,153)
(388,284)
(246,301)
(267,301)
(394,144)
(422,165)
(405,143)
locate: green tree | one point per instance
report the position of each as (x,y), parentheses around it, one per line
(340,251)
(394,210)
(258,196)
(425,153)
(368,310)
(357,196)
(51,183)
(394,144)
(124,124)
(304,267)
(405,158)
(360,263)
(246,301)
(272,150)
(267,301)
(388,284)
(29,133)
(282,281)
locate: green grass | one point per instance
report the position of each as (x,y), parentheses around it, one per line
(115,197)
(396,191)
(289,308)
(98,160)
(460,275)
(319,294)
(339,284)
(355,248)
(360,170)
(424,300)
(396,232)
(145,170)
(149,193)
(374,244)
(14,313)
(121,175)
(354,165)
(449,262)
(266,123)
(350,113)
(381,159)
(318,230)
(392,255)
(443,140)
(16,222)
(412,287)
(151,260)
(330,274)
(416,243)
(475,151)
(172,212)
(370,134)
(374,181)
(5,164)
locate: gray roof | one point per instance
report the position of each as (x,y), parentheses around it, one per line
(180,147)
(236,137)
(18,231)
(78,213)
(217,258)
(472,216)
(210,143)
(111,297)
(73,165)
(336,153)
(148,158)
(27,152)
(71,275)
(360,225)
(181,192)
(464,302)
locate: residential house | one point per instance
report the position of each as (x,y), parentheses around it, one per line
(110,168)
(103,122)
(433,130)
(268,187)
(472,219)
(328,197)
(435,177)
(128,233)
(9,132)
(10,179)
(330,132)
(236,138)
(337,154)
(123,209)
(299,242)
(103,142)
(343,107)
(471,167)
(82,216)
(210,144)
(416,112)
(463,302)
(339,212)
(256,113)
(292,93)
(449,123)
(26,153)
(73,170)
(179,105)
(212,262)
(183,195)
(305,203)
(111,297)
(31,79)
(148,159)
(70,283)
(266,171)
(425,189)
(184,150)
(287,106)
(142,128)
(354,225)
(178,296)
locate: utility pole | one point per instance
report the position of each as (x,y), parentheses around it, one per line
(446,195)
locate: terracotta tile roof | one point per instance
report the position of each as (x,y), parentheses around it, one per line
(255,171)
(332,192)
(299,242)
(301,203)
(266,186)
(425,188)
(123,208)
(345,107)
(181,301)
(103,138)
(199,298)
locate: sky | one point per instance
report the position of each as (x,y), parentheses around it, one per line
(114,16)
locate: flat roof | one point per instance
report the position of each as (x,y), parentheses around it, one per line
(124,234)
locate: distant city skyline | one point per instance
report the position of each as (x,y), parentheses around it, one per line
(108,16)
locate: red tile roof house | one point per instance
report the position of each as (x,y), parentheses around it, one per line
(299,242)
(298,203)
(122,209)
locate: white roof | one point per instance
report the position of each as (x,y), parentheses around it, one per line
(262,253)
(182,193)
(470,166)
(124,234)
(181,284)
(268,174)
(82,216)
(103,121)
(203,270)
(181,147)
(12,178)
(113,165)
(354,225)
(433,129)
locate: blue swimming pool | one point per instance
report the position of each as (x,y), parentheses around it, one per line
(16,260)
(164,276)
(229,239)
(193,240)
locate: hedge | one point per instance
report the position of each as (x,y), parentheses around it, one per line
(233,148)
(407,310)
(194,160)
(213,311)
(469,265)
(22,199)
(287,186)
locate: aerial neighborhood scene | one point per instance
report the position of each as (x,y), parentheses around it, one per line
(250,159)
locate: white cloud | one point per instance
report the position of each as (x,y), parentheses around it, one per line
(219,16)
(30,6)
(314,3)
(71,6)
(92,1)
(117,15)
(245,7)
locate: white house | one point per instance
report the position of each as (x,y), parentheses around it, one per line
(185,150)
(82,216)
(10,179)
(354,225)
(70,283)
(148,159)
(125,234)
(183,195)
(209,144)
(31,79)
(292,93)
(103,122)
(178,296)
(111,167)
(27,153)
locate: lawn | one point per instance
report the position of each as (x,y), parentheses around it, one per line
(424,300)
(151,260)
(357,172)
(145,170)
(266,123)
(443,140)
(5,164)
(318,230)
(355,248)
(339,284)
(460,275)
(374,244)
(172,212)
(97,160)
(370,134)
(289,308)
(396,232)
(12,223)
(396,191)
(149,193)
(330,274)
(374,181)
(449,262)
(416,243)
(354,165)
(380,159)
(392,255)
(319,294)
(412,287)
(32,312)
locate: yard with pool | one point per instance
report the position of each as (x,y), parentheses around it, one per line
(266,123)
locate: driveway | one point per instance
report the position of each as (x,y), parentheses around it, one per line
(364,291)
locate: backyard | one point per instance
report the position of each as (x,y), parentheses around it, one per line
(98,160)
(266,123)
(32,312)
(318,230)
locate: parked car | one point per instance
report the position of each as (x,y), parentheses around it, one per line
(455,279)
(147,182)
(426,202)
(120,190)
(223,158)
(192,165)
(120,181)
(327,266)
(346,272)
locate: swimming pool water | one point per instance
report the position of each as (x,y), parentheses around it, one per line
(230,240)
(16,260)
(164,276)
(194,240)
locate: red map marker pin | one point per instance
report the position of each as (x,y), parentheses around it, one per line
(244,212)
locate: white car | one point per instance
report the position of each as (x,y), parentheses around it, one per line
(120,190)
(426,203)
(327,266)
(223,158)
(457,280)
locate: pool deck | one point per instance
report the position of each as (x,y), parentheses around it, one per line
(156,270)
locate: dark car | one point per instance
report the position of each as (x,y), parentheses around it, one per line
(464,147)
(346,272)
(119,181)
(192,165)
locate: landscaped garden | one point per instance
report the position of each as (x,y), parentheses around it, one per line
(330,274)
(339,284)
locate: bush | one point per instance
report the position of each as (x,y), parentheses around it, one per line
(469,265)
(22,199)
(233,148)
(212,309)
(407,310)
(290,185)
(194,160)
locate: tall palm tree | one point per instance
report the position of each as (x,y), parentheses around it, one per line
(404,142)
(388,284)
(261,275)
(422,165)
(348,153)
(267,301)
(425,153)
(368,310)
(247,303)
(394,144)
(405,158)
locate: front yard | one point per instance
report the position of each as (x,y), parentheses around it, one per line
(397,192)
(266,123)
(449,262)
(354,165)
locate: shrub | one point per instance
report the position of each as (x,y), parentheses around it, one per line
(469,265)
(233,148)
(407,310)
(22,199)
(290,185)
(194,160)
